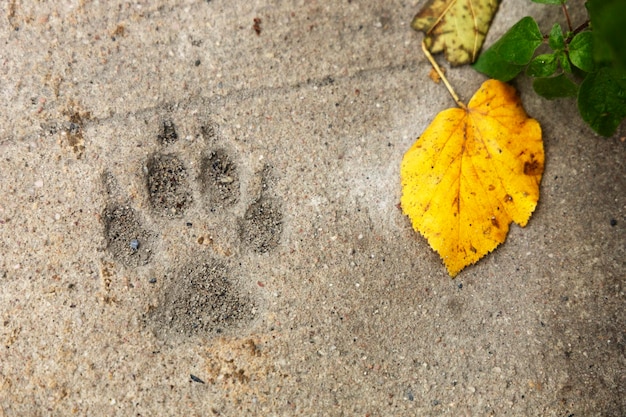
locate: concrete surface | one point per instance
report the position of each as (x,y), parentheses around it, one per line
(258,173)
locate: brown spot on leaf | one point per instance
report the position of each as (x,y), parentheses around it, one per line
(533,167)
(495,222)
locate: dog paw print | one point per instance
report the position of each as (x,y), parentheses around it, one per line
(203,300)
(219,179)
(168,186)
(202,186)
(127,240)
(260,227)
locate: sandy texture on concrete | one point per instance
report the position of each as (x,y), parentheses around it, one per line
(198,216)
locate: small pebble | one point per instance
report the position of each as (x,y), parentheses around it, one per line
(134,244)
(196,379)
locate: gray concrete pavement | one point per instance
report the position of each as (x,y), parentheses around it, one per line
(273,273)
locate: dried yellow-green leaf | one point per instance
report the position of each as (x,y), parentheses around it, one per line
(471,173)
(457,27)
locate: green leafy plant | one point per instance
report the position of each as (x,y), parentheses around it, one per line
(587,62)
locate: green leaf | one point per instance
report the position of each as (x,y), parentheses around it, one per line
(549,1)
(555,87)
(602,100)
(542,66)
(507,57)
(556,40)
(564,61)
(493,66)
(581,51)
(518,44)
(608,20)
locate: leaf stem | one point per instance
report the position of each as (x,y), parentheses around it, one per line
(443,77)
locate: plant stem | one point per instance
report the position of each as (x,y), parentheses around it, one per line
(566,13)
(576,31)
(443,77)
(580,28)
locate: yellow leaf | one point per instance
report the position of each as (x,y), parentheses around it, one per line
(471,173)
(457,27)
